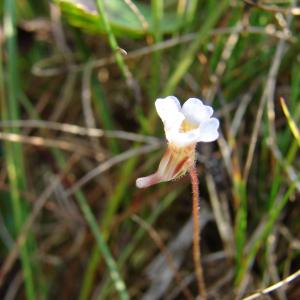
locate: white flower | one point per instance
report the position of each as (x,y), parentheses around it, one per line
(184,127)
(188,124)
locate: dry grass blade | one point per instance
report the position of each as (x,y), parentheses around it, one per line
(14,287)
(221,216)
(87,104)
(272,288)
(53,143)
(110,163)
(72,68)
(272,257)
(267,97)
(79,130)
(163,249)
(39,204)
(241,110)
(45,68)
(229,46)
(273,8)
(177,247)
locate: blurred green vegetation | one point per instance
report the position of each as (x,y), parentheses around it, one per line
(68,225)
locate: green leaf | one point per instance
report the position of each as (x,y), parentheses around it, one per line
(122,18)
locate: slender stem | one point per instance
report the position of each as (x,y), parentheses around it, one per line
(196,234)
(112,40)
(103,247)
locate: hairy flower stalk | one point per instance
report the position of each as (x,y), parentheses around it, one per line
(184,127)
(196,234)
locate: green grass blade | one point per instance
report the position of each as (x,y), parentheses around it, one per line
(60,160)
(101,246)
(272,217)
(13,152)
(157,15)
(190,54)
(112,40)
(110,262)
(139,234)
(191,12)
(292,124)
(113,204)
(240,222)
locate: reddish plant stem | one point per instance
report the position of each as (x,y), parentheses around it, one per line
(196,234)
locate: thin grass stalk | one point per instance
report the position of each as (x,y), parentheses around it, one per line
(190,54)
(113,204)
(139,234)
(13,152)
(95,258)
(110,262)
(272,217)
(102,109)
(196,234)
(240,222)
(157,10)
(157,7)
(292,124)
(100,242)
(112,40)
(295,109)
(89,274)
(156,238)
(191,12)
(274,287)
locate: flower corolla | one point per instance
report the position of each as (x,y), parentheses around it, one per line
(184,127)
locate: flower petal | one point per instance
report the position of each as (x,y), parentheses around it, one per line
(174,163)
(208,131)
(166,106)
(169,110)
(183,139)
(195,111)
(147,181)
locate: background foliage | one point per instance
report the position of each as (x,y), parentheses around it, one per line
(78,82)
